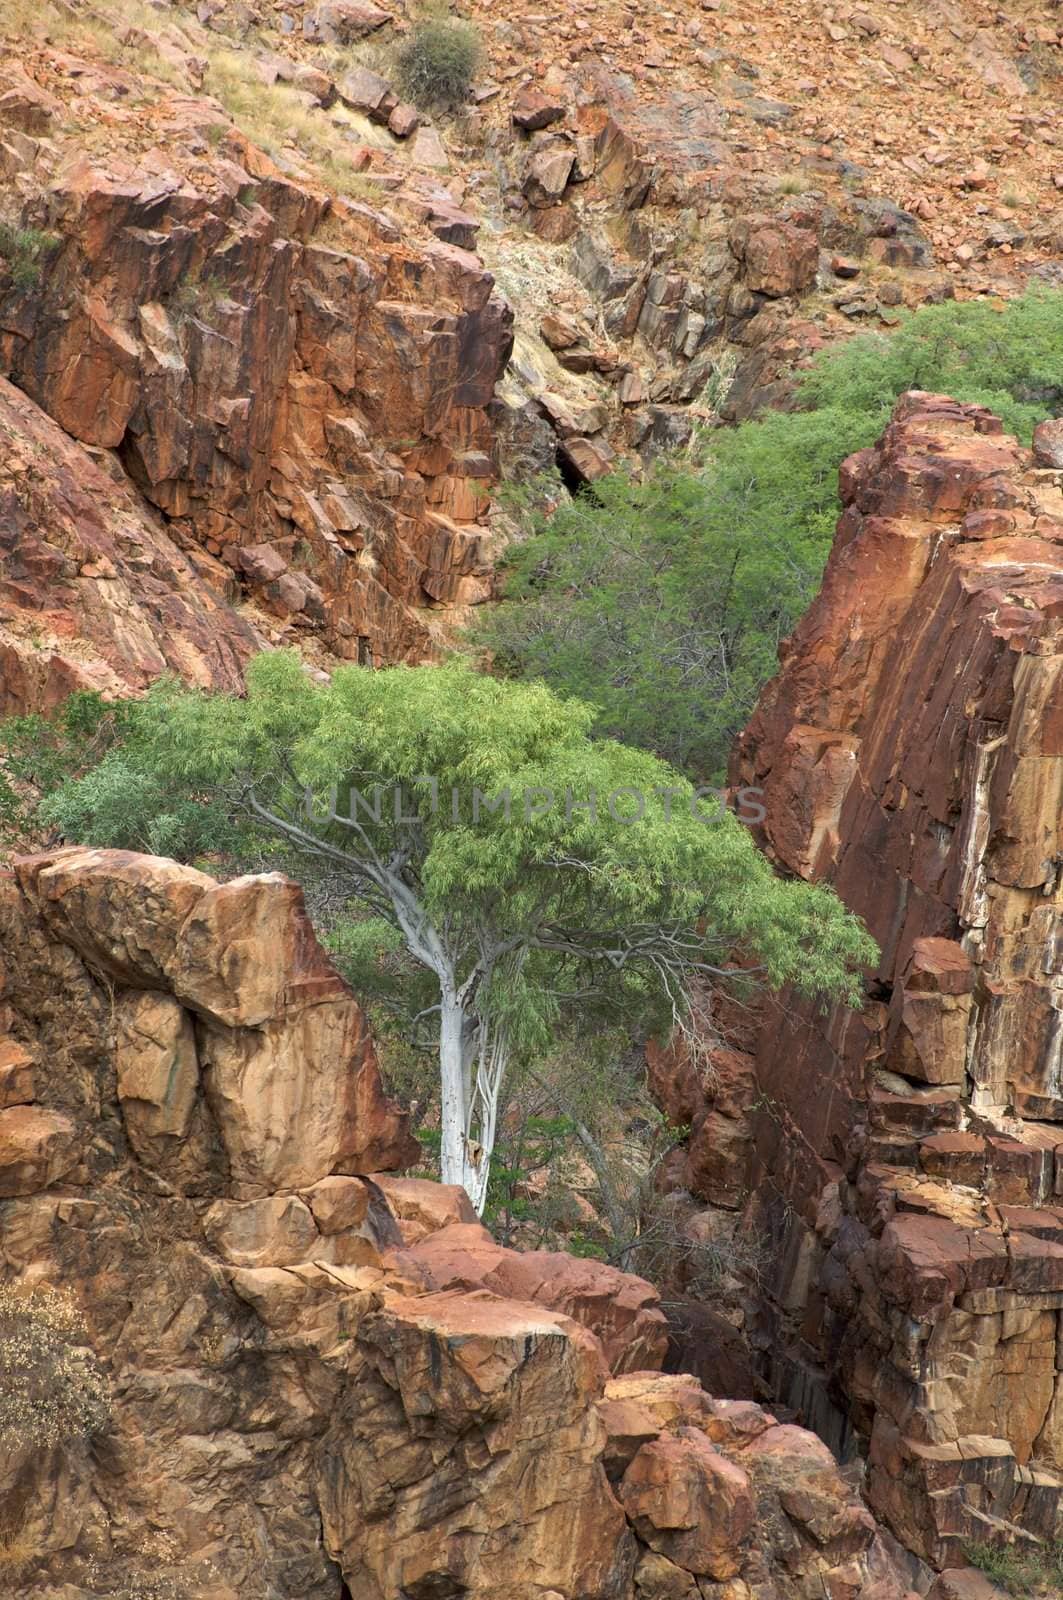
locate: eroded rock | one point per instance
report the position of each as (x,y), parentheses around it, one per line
(910,753)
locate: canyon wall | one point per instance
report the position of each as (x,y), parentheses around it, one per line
(325,1380)
(907,1160)
(252,411)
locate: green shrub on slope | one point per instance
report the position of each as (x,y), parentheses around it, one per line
(663,601)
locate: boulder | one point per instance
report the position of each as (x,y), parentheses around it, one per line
(299,1098)
(622,1310)
(534,109)
(277,1231)
(532,1514)
(778,259)
(1048,443)
(423,1207)
(547,173)
(689,1503)
(367,91)
(38,1146)
(122,912)
(345,21)
(803,1472)
(247,954)
(559,331)
(587,459)
(427,151)
(404,120)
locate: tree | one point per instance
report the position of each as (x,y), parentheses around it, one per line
(533,874)
(663,599)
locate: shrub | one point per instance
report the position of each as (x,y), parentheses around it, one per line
(51,1389)
(37,753)
(25,250)
(1027,1571)
(662,600)
(437,63)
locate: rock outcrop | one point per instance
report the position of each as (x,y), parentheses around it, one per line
(291,388)
(908,1159)
(325,1382)
(94,592)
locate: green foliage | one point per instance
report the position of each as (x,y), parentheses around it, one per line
(38,753)
(663,601)
(25,250)
(557,885)
(1026,1571)
(531,1144)
(438,61)
(511,876)
(1007,355)
(110,788)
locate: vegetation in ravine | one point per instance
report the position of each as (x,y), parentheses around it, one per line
(662,599)
(436,63)
(25,251)
(509,877)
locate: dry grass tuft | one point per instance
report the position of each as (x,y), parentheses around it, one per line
(51,1387)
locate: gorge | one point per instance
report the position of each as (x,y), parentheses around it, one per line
(272,339)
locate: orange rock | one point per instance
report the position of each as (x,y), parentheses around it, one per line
(96,594)
(622,1310)
(689,1503)
(911,752)
(38,1146)
(431,1375)
(422,1207)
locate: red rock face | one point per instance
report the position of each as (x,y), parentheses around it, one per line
(911,753)
(94,591)
(297,391)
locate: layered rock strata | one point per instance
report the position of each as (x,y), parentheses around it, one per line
(326,1383)
(908,1159)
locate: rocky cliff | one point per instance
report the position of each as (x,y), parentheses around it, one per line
(908,1160)
(324,1380)
(273,306)
(289,391)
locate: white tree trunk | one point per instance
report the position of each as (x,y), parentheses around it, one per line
(453,1077)
(471,1086)
(482,1124)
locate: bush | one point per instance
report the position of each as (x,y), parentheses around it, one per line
(51,1389)
(1027,1571)
(663,600)
(437,63)
(38,753)
(25,250)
